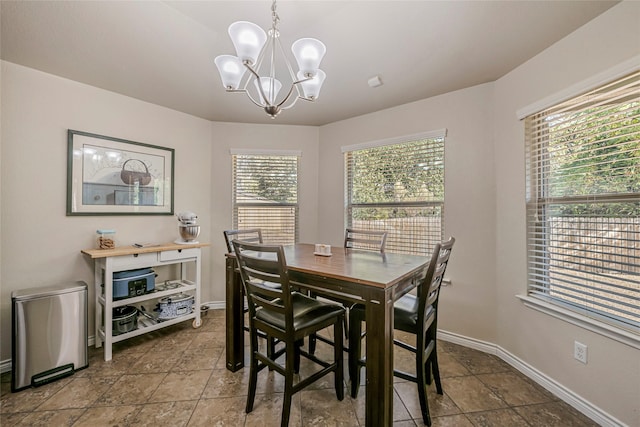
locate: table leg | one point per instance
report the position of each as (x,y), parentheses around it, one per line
(234,317)
(379,368)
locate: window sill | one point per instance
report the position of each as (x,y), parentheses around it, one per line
(609,331)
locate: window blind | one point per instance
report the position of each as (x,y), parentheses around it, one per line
(398,188)
(265,195)
(583,203)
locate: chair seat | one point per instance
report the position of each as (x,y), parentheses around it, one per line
(307,312)
(405,313)
(416,315)
(284,313)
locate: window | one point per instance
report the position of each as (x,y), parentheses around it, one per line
(265,194)
(583,204)
(398,187)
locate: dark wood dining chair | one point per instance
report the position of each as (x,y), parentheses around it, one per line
(287,315)
(373,240)
(252,235)
(414,314)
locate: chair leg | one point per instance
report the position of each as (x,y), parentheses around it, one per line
(339,359)
(355,353)
(253,374)
(421,377)
(433,361)
(296,361)
(271,349)
(312,344)
(346,324)
(288,383)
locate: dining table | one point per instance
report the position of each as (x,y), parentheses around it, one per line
(371,278)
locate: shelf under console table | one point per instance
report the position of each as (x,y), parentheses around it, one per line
(109,261)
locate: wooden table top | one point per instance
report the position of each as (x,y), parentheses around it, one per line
(356,266)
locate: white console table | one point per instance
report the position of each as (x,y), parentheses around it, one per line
(108,261)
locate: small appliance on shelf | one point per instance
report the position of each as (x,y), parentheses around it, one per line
(189,230)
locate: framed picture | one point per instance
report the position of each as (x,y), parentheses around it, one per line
(112,176)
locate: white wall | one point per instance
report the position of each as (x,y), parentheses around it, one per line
(259,137)
(611,379)
(469,193)
(485,211)
(41,245)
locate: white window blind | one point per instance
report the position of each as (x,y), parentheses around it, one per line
(398,188)
(265,195)
(583,203)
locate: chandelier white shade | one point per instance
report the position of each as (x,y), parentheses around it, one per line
(308,54)
(256,52)
(311,87)
(248,39)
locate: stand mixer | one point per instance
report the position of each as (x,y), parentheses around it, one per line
(189,230)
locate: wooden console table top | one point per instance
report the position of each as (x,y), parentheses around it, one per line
(130,250)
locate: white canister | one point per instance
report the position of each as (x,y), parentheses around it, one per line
(175,306)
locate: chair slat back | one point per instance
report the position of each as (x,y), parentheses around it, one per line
(365,239)
(262,268)
(252,235)
(429,288)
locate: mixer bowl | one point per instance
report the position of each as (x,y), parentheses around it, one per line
(189,232)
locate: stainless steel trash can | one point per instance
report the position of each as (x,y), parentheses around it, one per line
(49,333)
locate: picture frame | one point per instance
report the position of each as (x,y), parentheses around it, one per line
(113,176)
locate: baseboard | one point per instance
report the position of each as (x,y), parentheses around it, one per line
(5,365)
(215,305)
(585,407)
(565,394)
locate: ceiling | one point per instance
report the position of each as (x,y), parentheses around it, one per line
(162,51)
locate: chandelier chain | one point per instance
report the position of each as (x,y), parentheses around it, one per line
(275,19)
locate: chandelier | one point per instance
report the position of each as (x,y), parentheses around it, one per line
(256,53)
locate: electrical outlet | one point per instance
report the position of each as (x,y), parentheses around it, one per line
(580,352)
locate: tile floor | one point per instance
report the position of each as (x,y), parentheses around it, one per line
(177,377)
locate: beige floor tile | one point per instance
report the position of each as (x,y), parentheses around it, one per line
(173,341)
(450,367)
(30,398)
(224,383)
(64,417)
(108,416)
(13,419)
(400,412)
(187,385)
(267,411)
(165,414)
(553,414)
(514,389)
(177,376)
(497,418)
(451,421)
(197,359)
(227,411)
(439,405)
(204,339)
(478,362)
(131,389)
(118,365)
(154,362)
(406,423)
(471,395)
(321,408)
(78,393)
